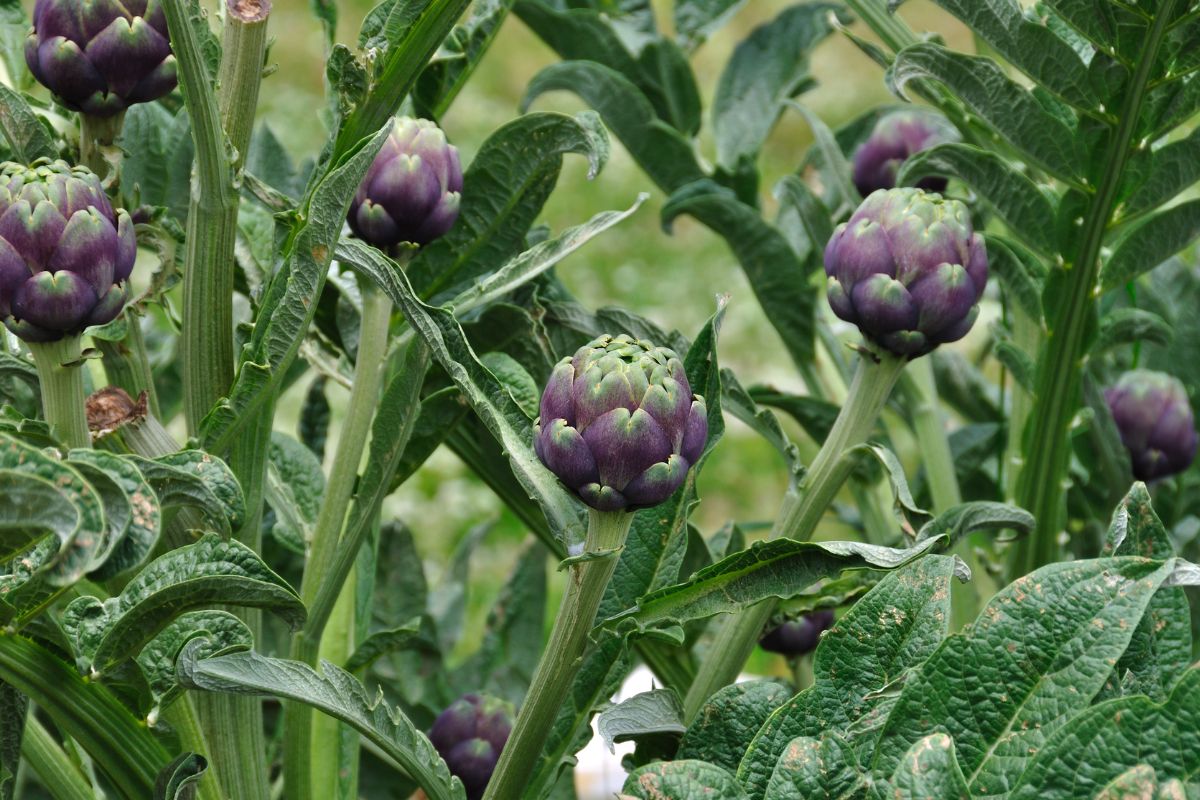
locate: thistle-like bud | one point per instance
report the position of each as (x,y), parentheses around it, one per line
(1155,420)
(101,56)
(469,736)
(894,139)
(797,637)
(411,191)
(908,269)
(64,253)
(619,424)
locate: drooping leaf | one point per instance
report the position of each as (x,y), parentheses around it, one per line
(930,769)
(335,692)
(195,479)
(1150,243)
(696,20)
(810,768)
(1131,326)
(177,780)
(648,715)
(729,719)
(220,631)
(141,533)
(682,780)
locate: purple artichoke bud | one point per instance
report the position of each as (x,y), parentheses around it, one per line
(908,270)
(101,56)
(619,424)
(797,637)
(469,736)
(411,190)
(1155,420)
(64,253)
(895,138)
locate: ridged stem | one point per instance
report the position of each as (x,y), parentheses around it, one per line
(801,510)
(310,767)
(54,767)
(127,364)
(96,133)
(562,656)
(1040,484)
(60,372)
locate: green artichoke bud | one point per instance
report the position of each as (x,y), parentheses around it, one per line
(908,269)
(101,56)
(1155,421)
(65,255)
(619,424)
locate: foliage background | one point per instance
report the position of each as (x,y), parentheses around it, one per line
(671,279)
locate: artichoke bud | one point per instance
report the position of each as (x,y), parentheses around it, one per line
(1156,423)
(469,736)
(894,139)
(908,270)
(619,424)
(411,190)
(797,637)
(65,254)
(102,56)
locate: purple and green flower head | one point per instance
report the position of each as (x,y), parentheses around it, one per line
(470,735)
(411,191)
(101,56)
(65,254)
(908,269)
(619,424)
(1155,420)
(895,138)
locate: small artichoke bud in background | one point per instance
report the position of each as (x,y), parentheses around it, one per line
(65,254)
(908,269)
(411,191)
(798,637)
(1155,420)
(101,56)
(619,424)
(895,138)
(469,736)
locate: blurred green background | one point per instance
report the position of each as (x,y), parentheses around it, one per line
(672,279)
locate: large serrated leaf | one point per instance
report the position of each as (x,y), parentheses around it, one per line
(206,573)
(1005,105)
(729,719)
(145,514)
(892,629)
(1150,243)
(930,769)
(334,692)
(220,631)
(33,509)
(682,780)
(1044,646)
(196,479)
(1095,748)
(816,769)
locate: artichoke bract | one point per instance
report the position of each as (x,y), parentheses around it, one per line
(1155,420)
(101,56)
(65,255)
(619,425)
(895,138)
(798,637)
(908,269)
(470,735)
(411,191)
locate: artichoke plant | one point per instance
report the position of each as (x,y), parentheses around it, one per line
(101,56)
(619,424)
(469,735)
(895,138)
(65,254)
(1155,420)
(411,191)
(797,637)
(908,269)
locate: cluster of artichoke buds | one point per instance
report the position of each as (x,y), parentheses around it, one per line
(469,736)
(619,424)
(797,637)
(64,253)
(101,56)
(908,269)
(411,191)
(1155,421)
(895,138)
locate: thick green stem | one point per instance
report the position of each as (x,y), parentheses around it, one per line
(57,771)
(244,48)
(1027,334)
(802,509)
(562,656)
(127,364)
(304,758)
(1040,485)
(60,372)
(95,134)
